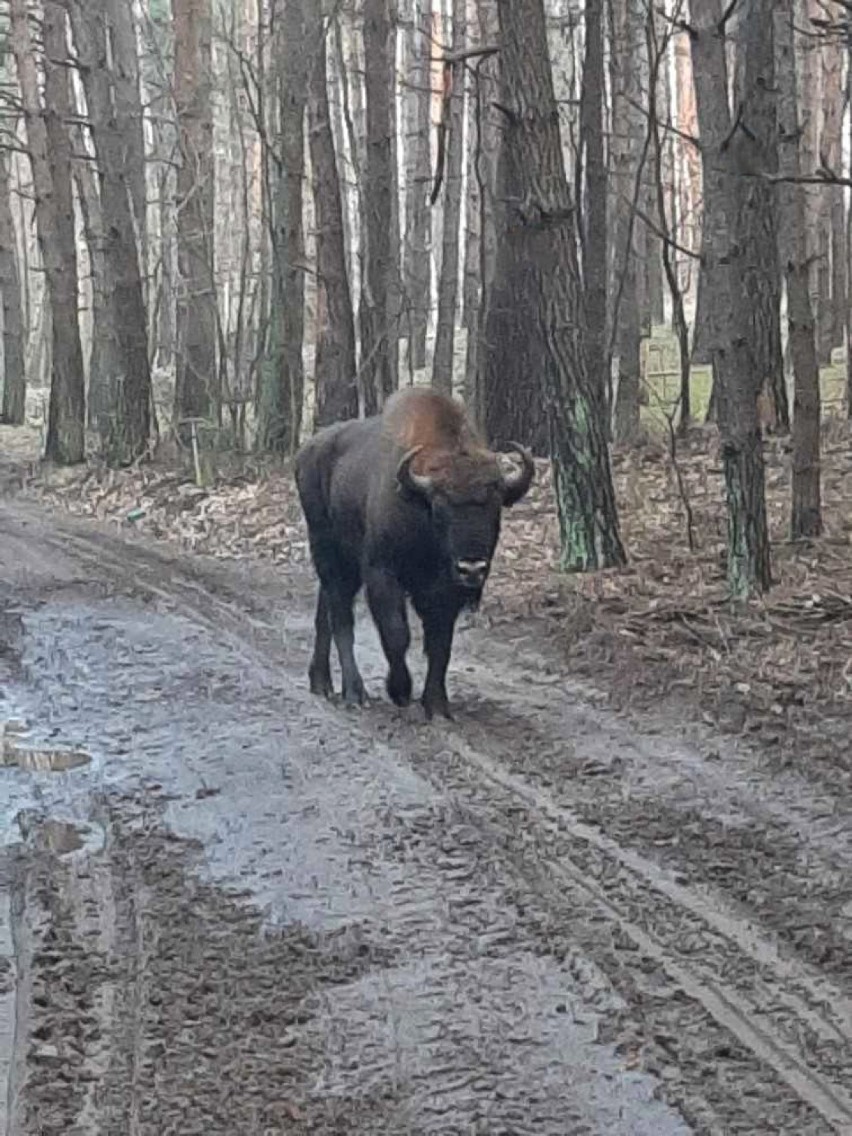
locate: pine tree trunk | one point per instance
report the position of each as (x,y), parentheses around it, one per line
(282,379)
(542,226)
(595,246)
(470,277)
(442,368)
(103,354)
(701,349)
(831,149)
(806,512)
(511,344)
(12,411)
(484,150)
(50,156)
(379,323)
(418,170)
(849,243)
(810,96)
(654,268)
(629,127)
(197,392)
(160,289)
(130,389)
(396,301)
(336,391)
(129,120)
(755,140)
(657,45)
(748,538)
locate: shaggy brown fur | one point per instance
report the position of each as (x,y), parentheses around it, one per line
(451,453)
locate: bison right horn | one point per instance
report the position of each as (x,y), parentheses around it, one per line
(517,484)
(413,482)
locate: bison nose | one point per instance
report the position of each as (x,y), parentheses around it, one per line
(472,573)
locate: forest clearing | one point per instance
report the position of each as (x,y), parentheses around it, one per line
(613,892)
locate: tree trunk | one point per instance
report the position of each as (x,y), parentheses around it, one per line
(806,513)
(160,289)
(542,226)
(379,323)
(442,364)
(755,140)
(470,278)
(595,236)
(690,166)
(849,243)
(512,407)
(13,409)
(418,167)
(666,211)
(127,434)
(701,349)
(654,271)
(282,382)
(659,69)
(809,51)
(103,361)
(831,151)
(395,286)
(629,127)
(350,53)
(129,120)
(485,149)
(748,538)
(197,392)
(50,156)
(336,390)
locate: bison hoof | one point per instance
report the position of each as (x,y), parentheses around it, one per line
(436,704)
(354,693)
(321,683)
(399,688)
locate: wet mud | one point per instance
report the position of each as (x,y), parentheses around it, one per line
(226,906)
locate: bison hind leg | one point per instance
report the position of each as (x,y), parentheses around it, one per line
(339,583)
(319,672)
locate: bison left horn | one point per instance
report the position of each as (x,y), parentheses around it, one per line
(413,482)
(516,485)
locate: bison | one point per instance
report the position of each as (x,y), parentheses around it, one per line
(406,503)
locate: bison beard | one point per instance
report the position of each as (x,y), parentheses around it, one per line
(406,504)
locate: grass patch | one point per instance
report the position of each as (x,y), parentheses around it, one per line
(661,373)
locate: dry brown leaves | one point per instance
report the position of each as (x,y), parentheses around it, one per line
(779,667)
(775,666)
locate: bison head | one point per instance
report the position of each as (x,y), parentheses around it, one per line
(465,496)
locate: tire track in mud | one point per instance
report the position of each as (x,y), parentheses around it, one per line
(783,1012)
(823,1011)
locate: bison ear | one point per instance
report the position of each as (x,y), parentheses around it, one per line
(516,485)
(411,482)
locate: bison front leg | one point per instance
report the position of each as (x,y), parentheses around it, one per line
(387,605)
(438,627)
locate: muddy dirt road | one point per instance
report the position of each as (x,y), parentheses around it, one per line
(227,907)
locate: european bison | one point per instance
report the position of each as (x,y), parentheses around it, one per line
(406,503)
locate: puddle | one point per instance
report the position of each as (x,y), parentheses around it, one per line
(36,759)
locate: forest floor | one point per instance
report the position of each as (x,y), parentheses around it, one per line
(612,897)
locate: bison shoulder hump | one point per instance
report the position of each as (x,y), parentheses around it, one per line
(421,417)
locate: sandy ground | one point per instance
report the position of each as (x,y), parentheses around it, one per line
(227,907)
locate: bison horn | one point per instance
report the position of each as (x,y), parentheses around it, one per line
(413,482)
(515,485)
